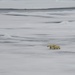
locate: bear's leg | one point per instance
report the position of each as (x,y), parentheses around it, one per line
(54,48)
(50,47)
(59,47)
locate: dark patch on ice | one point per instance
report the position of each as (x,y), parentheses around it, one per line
(16,15)
(1,35)
(63,14)
(41,34)
(16,36)
(59,21)
(36,10)
(71,20)
(53,22)
(8,42)
(30,15)
(65,52)
(24,45)
(21,37)
(35,40)
(18,28)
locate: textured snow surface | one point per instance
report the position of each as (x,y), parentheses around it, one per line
(24,36)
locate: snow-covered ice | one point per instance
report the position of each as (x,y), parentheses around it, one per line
(24,36)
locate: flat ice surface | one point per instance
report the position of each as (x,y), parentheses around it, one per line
(24,36)
(36,3)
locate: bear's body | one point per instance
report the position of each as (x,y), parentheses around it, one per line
(53,46)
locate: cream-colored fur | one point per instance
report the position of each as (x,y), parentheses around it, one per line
(53,46)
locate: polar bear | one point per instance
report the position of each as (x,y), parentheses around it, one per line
(53,46)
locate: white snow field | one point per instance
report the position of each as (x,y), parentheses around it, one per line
(36,3)
(25,34)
